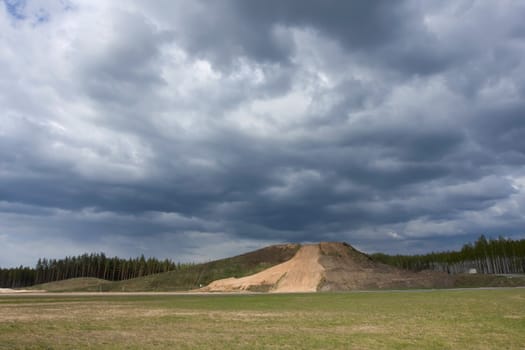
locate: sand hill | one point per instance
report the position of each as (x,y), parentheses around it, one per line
(329,266)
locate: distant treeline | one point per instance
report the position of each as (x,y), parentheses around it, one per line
(488,256)
(86,265)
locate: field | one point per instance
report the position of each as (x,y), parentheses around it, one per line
(446,319)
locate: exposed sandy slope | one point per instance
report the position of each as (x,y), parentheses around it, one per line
(302,273)
(330,266)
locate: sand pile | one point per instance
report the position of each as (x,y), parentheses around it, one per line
(329,266)
(302,273)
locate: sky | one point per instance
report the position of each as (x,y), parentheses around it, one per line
(195,130)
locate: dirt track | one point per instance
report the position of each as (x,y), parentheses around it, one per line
(153,294)
(14,291)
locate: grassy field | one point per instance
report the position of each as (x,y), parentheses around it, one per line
(446,319)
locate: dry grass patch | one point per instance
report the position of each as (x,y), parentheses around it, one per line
(477,319)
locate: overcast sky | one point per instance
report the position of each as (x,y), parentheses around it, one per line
(194,130)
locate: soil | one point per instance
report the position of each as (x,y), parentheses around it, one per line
(301,273)
(330,266)
(346,268)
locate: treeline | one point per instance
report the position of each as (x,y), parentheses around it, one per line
(488,256)
(86,265)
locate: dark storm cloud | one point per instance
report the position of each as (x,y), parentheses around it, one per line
(501,130)
(392,35)
(177,128)
(124,69)
(374,31)
(357,25)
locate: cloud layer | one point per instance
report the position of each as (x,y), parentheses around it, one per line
(195,130)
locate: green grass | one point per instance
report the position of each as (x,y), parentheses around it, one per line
(75,285)
(451,319)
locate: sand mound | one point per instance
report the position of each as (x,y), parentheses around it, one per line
(302,273)
(329,266)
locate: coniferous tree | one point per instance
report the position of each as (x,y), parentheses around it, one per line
(490,256)
(85,265)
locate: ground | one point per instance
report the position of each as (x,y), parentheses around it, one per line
(445,319)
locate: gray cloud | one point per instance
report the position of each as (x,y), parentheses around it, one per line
(203,129)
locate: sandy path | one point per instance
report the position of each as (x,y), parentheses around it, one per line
(14,291)
(302,273)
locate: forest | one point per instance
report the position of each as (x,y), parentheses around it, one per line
(487,256)
(86,265)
